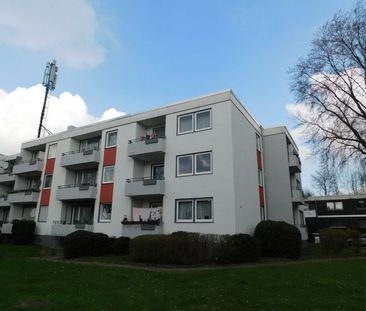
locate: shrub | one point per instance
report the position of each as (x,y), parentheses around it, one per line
(121,246)
(354,238)
(150,248)
(23,231)
(333,240)
(279,239)
(239,248)
(84,243)
(183,248)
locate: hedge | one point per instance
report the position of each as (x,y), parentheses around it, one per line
(240,248)
(183,248)
(23,231)
(279,239)
(121,245)
(85,243)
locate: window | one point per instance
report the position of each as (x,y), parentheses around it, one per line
(202,164)
(184,211)
(105,212)
(89,144)
(260,178)
(52,151)
(334,206)
(194,122)
(258,142)
(47,181)
(194,210)
(185,165)
(111,140)
(42,215)
(185,124)
(361,204)
(203,120)
(263,215)
(157,171)
(203,210)
(108,174)
(86,177)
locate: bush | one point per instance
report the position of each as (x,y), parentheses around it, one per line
(85,243)
(239,248)
(279,239)
(354,238)
(150,248)
(183,248)
(23,231)
(121,246)
(333,240)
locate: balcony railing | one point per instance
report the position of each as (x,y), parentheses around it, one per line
(147,148)
(24,196)
(294,162)
(4,200)
(145,186)
(81,159)
(31,168)
(63,228)
(77,192)
(7,177)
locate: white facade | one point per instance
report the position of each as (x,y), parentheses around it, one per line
(215,189)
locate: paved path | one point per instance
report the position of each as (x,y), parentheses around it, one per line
(162,268)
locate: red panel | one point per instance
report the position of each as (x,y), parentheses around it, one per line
(106,193)
(109,156)
(45,197)
(50,165)
(261,196)
(259,159)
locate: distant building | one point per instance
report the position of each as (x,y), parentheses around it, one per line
(200,165)
(337,211)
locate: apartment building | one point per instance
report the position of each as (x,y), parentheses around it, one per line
(199,165)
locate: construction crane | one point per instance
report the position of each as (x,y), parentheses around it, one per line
(49,82)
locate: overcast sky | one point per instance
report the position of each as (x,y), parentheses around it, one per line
(119,57)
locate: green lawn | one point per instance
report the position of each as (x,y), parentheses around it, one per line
(26,282)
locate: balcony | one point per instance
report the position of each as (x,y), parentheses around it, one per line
(297,196)
(76,192)
(145,187)
(294,163)
(6,228)
(59,228)
(81,159)
(4,202)
(25,196)
(7,178)
(29,169)
(147,149)
(134,229)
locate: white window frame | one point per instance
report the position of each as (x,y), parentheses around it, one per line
(44,182)
(53,154)
(195,120)
(260,177)
(101,208)
(107,139)
(258,142)
(193,123)
(195,163)
(177,210)
(103,176)
(195,210)
(39,213)
(182,156)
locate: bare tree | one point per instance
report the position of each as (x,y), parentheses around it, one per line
(325,179)
(330,84)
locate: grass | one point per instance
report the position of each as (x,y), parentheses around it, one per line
(37,284)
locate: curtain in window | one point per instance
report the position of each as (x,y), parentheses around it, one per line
(203,120)
(185,210)
(204,210)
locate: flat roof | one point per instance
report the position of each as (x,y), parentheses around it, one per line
(336,197)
